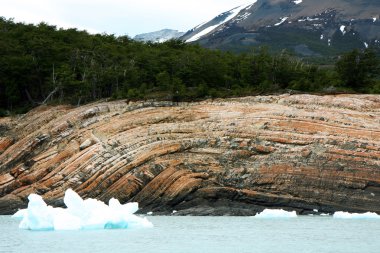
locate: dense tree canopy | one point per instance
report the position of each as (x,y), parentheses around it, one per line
(358,70)
(40,64)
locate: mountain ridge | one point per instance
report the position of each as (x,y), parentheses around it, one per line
(308,27)
(159,36)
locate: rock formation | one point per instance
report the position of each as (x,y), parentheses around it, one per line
(221,157)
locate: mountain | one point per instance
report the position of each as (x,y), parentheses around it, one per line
(217,157)
(159,36)
(307,27)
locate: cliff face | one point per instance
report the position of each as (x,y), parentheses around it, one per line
(221,157)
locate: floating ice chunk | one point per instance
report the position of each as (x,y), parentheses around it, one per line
(346,215)
(366,44)
(374,20)
(20,214)
(270,213)
(74,203)
(79,214)
(149,213)
(63,220)
(38,216)
(297,1)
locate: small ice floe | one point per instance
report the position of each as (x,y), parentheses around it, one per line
(315,210)
(346,215)
(282,21)
(20,214)
(374,20)
(79,214)
(366,44)
(322,36)
(276,213)
(174,211)
(297,1)
(149,213)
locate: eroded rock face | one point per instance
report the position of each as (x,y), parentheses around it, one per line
(221,157)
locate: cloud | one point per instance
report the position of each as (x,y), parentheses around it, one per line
(117,16)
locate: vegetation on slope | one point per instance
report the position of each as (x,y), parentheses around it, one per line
(41,64)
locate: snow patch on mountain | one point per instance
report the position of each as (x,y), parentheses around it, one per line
(231,14)
(202,33)
(308,19)
(242,17)
(343,29)
(282,21)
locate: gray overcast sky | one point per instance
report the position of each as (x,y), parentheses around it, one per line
(120,17)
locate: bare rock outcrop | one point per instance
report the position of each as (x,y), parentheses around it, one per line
(221,157)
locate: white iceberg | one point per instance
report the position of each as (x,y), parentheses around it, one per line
(346,215)
(278,213)
(79,214)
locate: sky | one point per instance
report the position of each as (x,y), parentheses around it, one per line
(119,17)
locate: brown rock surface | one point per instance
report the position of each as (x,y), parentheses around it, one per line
(221,157)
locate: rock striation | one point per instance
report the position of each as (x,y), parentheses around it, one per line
(223,157)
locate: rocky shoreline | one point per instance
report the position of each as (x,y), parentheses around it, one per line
(221,157)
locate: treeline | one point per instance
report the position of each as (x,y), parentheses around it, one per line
(42,64)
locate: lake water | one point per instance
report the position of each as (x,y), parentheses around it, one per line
(205,234)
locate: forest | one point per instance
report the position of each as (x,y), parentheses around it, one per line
(41,64)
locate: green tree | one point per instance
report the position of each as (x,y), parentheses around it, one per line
(358,69)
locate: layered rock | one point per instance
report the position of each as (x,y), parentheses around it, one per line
(221,157)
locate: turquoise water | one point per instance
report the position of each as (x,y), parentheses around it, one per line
(205,234)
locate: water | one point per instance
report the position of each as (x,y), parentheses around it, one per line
(205,234)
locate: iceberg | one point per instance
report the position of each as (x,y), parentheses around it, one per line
(79,215)
(276,213)
(346,215)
